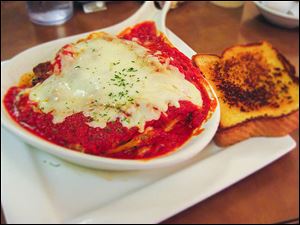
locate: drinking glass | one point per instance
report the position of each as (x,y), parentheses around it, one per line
(50,12)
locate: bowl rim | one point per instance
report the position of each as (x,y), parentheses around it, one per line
(274,12)
(92,161)
(186,151)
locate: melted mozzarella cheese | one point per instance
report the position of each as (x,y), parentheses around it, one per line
(110,78)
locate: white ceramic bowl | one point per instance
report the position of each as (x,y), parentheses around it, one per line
(25,61)
(278,18)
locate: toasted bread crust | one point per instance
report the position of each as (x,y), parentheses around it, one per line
(287,65)
(267,127)
(257,88)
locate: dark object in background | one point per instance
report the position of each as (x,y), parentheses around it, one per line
(93,6)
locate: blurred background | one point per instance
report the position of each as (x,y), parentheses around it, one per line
(207,27)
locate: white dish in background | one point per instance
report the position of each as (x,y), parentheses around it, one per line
(25,61)
(278,18)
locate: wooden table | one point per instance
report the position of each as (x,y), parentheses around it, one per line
(268,196)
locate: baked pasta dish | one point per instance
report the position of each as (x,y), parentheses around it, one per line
(130,96)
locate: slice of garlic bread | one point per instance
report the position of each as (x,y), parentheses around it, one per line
(257,89)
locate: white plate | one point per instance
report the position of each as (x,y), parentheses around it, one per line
(25,61)
(278,18)
(39,188)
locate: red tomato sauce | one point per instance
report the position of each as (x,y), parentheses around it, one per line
(75,134)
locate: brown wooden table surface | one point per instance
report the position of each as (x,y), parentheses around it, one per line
(268,196)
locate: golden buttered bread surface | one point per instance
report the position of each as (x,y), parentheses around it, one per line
(252,81)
